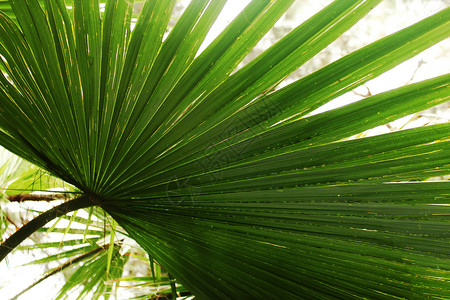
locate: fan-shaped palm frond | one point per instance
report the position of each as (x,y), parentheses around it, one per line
(80,248)
(238,191)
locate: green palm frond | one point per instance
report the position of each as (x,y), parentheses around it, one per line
(87,253)
(78,250)
(237,190)
(93,274)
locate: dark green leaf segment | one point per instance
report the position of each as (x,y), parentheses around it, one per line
(236,189)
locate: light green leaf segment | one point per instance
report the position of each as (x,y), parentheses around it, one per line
(238,192)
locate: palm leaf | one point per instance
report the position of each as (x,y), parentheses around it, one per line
(68,253)
(64,266)
(93,275)
(238,191)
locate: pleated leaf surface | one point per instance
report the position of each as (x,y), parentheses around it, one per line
(237,190)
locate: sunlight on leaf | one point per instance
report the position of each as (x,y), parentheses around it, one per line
(237,183)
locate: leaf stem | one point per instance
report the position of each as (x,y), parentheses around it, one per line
(173,286)
(25,231)
(32,197)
